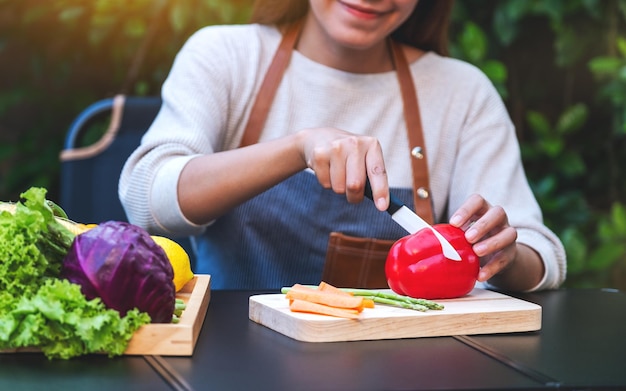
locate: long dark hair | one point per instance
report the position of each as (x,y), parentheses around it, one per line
(426,28)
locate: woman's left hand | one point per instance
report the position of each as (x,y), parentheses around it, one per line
(487,229)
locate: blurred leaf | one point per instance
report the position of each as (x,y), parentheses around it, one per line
(572,119)
(621,5)
(605,66)
(568,46)
(552,146)
(497,73)
(71,14)
(605,256)
(545,186)
(552,9)
(575,248)
(538,123)
(506,19)
(571,164)
(618,219)
(495,70)
(621,46)
(135,28)
(593,8)
(141,88)
(179,16)
(606,232)
(473,42)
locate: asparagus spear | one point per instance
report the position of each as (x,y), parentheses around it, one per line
(396,303)
(179,307)
(395,299)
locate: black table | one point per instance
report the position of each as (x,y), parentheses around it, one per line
(581,346)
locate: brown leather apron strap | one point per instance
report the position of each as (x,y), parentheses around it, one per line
(265,96)
(413,121)
(272,79)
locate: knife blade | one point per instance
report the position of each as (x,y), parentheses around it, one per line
(411,222)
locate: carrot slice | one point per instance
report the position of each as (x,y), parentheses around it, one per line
(326,287)
(368,303)
(298,305)
(321,297)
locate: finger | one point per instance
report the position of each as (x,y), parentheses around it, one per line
(377,175)
(493,220)
(355,176)
(338,158)
(497,263)
(474,206)
(498,242)
(320,164)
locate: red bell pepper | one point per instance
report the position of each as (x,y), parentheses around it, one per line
(416,266)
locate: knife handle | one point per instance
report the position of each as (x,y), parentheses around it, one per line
(394,202)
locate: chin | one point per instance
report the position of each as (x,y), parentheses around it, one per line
(357,39)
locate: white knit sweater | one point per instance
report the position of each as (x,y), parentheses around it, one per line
(470,141)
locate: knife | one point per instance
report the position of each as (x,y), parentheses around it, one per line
(411,222)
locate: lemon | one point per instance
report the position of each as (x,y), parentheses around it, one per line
(178,258)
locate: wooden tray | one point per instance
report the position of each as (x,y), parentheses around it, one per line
(176,339)
(480,312)
(169,339)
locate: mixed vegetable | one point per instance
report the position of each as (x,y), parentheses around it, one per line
(70,295)
(326,299)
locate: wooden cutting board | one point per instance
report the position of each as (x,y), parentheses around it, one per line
(480,312)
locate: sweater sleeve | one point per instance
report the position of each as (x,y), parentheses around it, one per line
(198,116)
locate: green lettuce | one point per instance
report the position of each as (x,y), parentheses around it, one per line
(61,322)
(32,244)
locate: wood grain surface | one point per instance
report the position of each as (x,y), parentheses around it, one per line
(176,339)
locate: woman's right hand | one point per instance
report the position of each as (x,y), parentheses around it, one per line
(212,184)
(342,160)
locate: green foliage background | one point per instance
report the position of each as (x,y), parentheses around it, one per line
(560,66)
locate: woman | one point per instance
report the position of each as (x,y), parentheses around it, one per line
(262,212)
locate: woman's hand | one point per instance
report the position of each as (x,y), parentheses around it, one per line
(504,262)
(341,161)
(487,229)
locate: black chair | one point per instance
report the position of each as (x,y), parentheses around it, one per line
(97,144)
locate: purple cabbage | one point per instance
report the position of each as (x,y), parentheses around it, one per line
(121,264)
